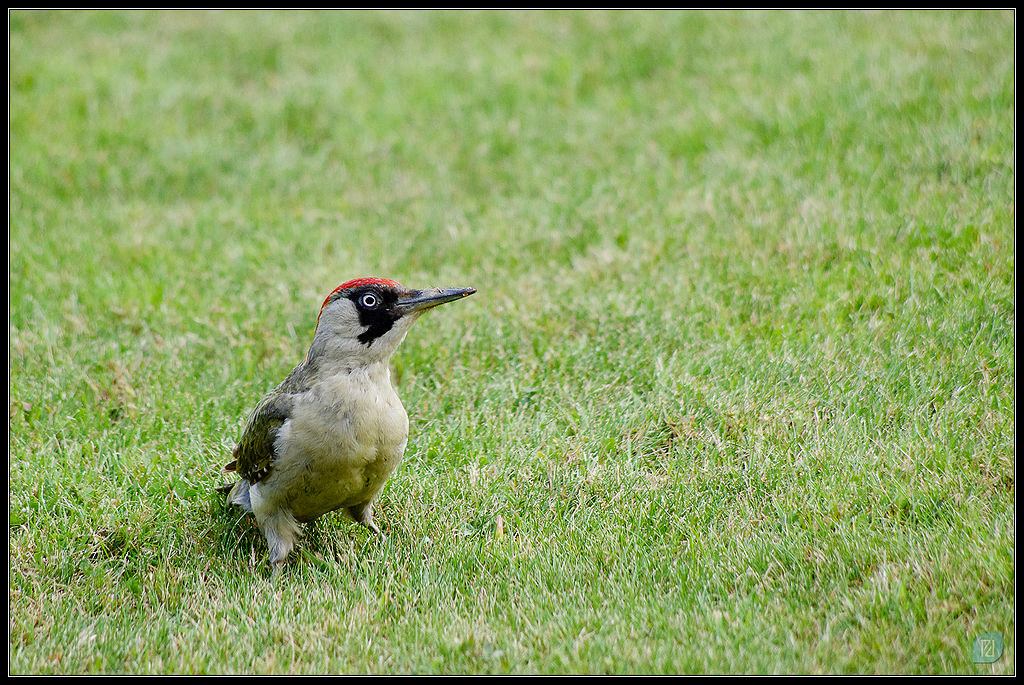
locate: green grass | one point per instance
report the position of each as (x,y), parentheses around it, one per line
(736,394)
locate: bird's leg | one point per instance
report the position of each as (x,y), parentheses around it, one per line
(363,514)
(282,532)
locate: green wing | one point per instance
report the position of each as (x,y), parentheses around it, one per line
(254,454)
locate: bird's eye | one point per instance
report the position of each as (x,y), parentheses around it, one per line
(369,301)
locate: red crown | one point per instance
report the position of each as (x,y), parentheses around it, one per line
(357,283)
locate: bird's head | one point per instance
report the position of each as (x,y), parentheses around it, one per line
(366,319)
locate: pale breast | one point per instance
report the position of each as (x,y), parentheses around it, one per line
(345,437)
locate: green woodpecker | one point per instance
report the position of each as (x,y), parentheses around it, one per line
(331,433)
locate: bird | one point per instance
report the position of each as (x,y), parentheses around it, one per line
(331,433)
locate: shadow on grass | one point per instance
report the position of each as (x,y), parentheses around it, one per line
(330,540)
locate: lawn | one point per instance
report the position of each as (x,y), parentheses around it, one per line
(735,394)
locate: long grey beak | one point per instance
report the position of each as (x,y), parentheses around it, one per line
(419,300)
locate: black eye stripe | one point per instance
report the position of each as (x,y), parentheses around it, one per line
(372,298)
(375,308)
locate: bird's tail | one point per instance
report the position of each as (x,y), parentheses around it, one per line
(237,493)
